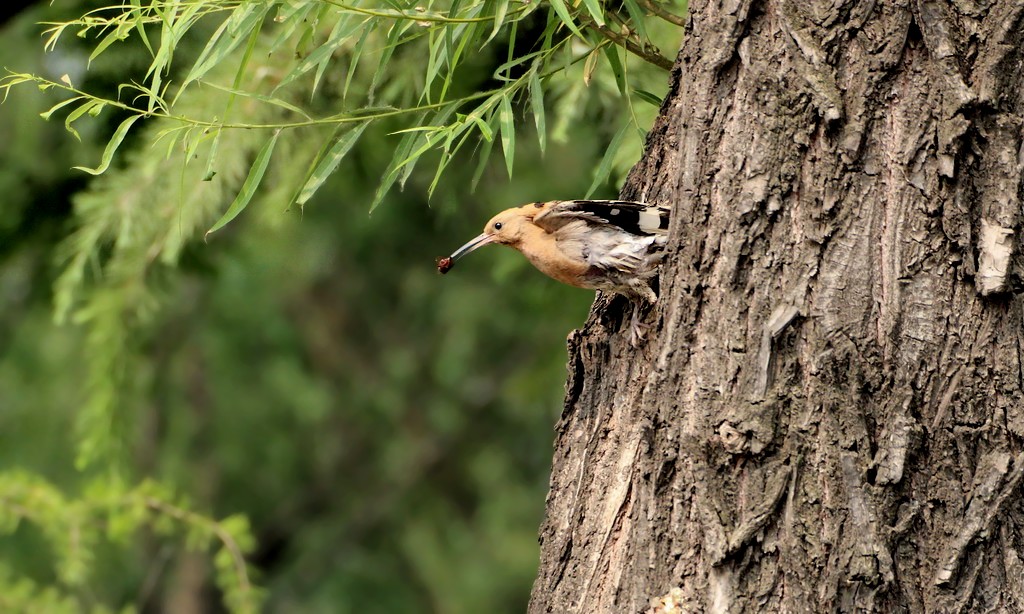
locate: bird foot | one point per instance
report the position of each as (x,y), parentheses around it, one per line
(637,330)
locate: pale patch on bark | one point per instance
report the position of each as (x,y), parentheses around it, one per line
(995,245)
(670,603)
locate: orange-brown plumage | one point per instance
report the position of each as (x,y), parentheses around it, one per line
(601,245)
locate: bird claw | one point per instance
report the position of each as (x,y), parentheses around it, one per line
(637,330)
(637,334)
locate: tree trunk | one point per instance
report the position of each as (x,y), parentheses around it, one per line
(829,417)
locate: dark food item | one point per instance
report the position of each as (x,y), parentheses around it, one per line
(444,265)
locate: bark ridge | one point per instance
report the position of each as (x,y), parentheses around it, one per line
(831,417)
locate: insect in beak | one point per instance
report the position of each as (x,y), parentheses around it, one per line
(445,264)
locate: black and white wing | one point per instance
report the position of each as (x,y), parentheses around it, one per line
(634,218)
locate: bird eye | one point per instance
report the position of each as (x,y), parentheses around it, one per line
(497,225)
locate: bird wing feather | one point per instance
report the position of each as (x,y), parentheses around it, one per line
(605,249)
(633,218)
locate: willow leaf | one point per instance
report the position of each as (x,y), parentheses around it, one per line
(537,104)
(112,145)
(63,103)
(252,181)
(594,8)
(329,163)
(227,38)
(500,10)
(611,53)
(563,14)
(87,107)
(605,168)
(508,132)
(648,97)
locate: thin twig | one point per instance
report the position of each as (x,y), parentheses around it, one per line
(628,44)
(187,517)
(668,16)
(417,15)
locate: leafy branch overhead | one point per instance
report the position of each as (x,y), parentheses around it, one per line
(401,62)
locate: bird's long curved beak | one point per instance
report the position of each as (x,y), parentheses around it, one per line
(476,242)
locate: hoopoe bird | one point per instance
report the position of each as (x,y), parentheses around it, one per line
(609,245)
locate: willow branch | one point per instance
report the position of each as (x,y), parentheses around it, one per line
(629,44)
(652,6)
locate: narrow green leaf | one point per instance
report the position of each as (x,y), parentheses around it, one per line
(63,103)
(485,129)
(288,22)
(437,57)
(382,190)
(228,36)
(605,168)
(321,153)
(140,24)
(211,157)
(425,141)
(481,164)
(416,129)
(236,86)
(446,157)
(594,8)
(449,33)
(611,52)
(175,135)
(277,102)
(192,144)
(508,132)
(330,162)
(117,35)
(537,104)
(252,181)
(400,157)
(500,10)
(637,17)
(516,61)
(115,142)
(344,29)
(510,49)
(430,140)
(163,53)
(357,52)
(648,97)
(77,113)
(176,21)
(464,38)
(384,57)
(563,15)
(448,154)
(310,28)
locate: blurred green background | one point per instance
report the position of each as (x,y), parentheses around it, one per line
(386,431)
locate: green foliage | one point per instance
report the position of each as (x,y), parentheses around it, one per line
(73,528)
(388,430)
(446,115)
(20,594)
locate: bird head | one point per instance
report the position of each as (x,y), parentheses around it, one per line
(506,228)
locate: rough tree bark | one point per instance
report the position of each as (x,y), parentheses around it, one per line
(831,416)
